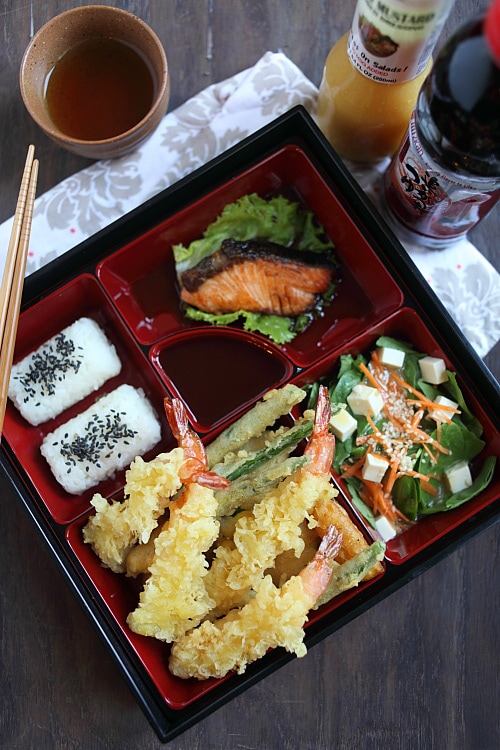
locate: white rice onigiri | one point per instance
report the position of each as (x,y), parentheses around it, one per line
(103,439)
(63,371)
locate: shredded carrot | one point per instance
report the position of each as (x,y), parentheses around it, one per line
(408,387)
(381,504)
(393,474)
(422,400)
(432,406)
(369,419)
(425,481)
(440,448)
(417,417)
(364,369)
(397,424)
(429,453)
(378,502)
(376,360)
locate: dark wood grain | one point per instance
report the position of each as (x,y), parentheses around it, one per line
(418,670)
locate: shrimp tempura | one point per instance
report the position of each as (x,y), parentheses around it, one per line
(273,526)
(174,598)
(275,617)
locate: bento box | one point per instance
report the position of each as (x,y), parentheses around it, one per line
(125,280)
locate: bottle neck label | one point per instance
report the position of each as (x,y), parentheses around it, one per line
(392,41)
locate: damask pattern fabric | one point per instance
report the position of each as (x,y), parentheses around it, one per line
(201,129)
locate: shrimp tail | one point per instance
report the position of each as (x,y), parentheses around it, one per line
(210,479)
(321,447)
(316,575)
(330,544)
(177,419)
(195,466)
(323,411)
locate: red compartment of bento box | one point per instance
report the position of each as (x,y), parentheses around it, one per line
(141,280)
(407,325)
(80,297)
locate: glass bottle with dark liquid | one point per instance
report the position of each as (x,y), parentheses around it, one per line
(446,176)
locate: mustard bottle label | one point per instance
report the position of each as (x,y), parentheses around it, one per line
(391,41)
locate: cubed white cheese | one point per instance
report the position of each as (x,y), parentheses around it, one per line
(458,476)
(443,414)
(374,468)
(391,358)
(363,399)
(343,425)
(433,370)
(385,528)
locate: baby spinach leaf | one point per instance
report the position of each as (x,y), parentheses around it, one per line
(392,343)
(406,496)
(353,485)
(462,445)
(343,451)
(453,390)
(349,375)
(447,501)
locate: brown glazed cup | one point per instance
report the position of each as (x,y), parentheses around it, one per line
(59,35)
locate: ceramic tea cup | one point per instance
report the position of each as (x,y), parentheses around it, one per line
(96,81)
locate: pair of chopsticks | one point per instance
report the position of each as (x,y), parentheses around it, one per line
(13,278)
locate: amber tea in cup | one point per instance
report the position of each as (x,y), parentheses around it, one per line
(96,80)
(99,89)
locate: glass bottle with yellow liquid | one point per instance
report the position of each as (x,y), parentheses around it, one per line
(374,73)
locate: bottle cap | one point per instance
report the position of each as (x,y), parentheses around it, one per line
(492,30)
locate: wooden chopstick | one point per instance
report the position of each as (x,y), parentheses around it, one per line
(15,237)
(11,289)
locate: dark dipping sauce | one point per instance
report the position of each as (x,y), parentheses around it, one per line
(216,374)
(99,89)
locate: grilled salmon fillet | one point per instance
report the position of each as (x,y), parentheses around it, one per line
(257,276)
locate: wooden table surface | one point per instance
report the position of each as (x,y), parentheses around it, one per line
(418,670)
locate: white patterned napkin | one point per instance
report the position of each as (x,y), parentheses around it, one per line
(202,128)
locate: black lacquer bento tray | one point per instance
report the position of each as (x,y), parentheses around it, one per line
(124,278)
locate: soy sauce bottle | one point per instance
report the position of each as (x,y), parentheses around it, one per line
(446,176)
